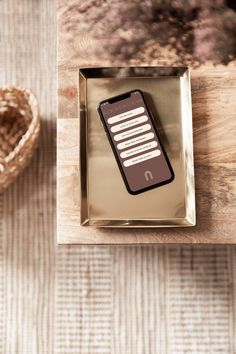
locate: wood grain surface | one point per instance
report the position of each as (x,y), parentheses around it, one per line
(214,131)
(91,299)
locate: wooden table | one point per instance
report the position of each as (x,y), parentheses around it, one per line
(214,130)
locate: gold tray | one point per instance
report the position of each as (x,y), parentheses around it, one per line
(105,201)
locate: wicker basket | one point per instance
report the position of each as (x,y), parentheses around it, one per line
(19,131)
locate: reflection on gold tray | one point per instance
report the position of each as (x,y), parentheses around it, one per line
(104,198)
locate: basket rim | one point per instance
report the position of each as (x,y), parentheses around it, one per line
(34,106)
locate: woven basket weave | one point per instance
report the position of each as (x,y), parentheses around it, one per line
(19,131)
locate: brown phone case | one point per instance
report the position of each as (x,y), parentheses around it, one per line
(141,158)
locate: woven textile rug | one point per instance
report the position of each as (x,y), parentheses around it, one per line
(90,300)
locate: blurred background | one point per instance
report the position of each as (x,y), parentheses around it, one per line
(90,300)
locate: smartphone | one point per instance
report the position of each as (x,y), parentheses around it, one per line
(129,126)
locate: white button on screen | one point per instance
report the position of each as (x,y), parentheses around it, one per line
(125,115)
(135,141)
(130,123)
(141,158)
(138,149)
(132,132)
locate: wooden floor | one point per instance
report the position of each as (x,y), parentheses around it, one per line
(90,300)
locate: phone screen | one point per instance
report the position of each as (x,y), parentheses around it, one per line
(133,137)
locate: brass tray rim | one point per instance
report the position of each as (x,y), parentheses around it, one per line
(85,221)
